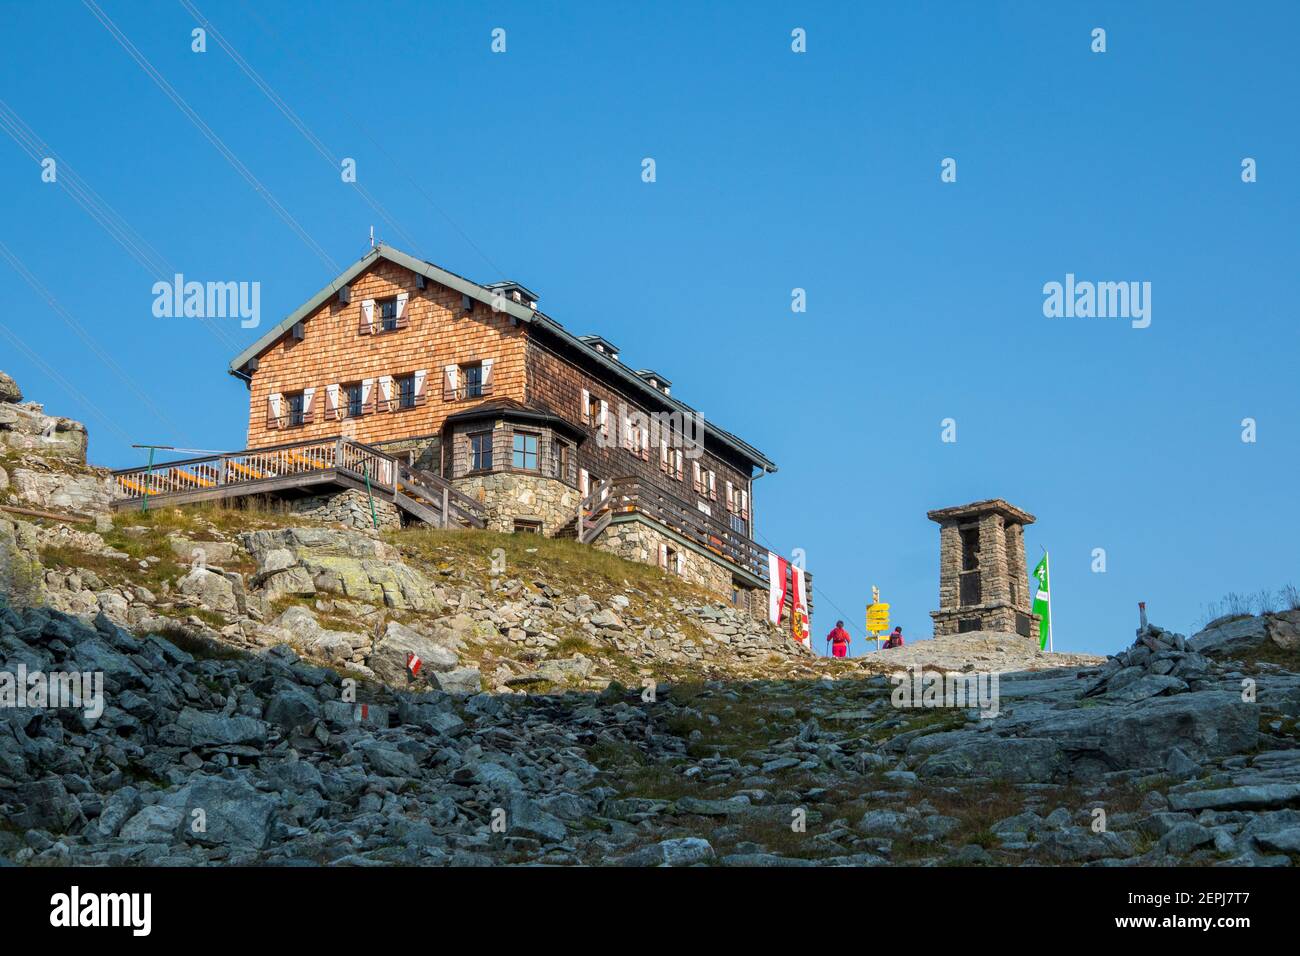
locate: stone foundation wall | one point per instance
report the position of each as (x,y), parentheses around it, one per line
(507,496)
(349,508)
(1001,618)
(638,541)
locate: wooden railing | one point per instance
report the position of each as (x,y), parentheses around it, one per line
(633,495)
(452,505)
(280,466)
(255,465)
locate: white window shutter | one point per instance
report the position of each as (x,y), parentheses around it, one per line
(583,482)
(487,373)
(401,305)
(586,405)
(681,563)
(385,388)
(331,401)
(731,497)
(679,468)
(645,442)
(604,417)
(368,314)
(451,373)
(663,556)
(308,399)
(695,475)
(713,485)
(421,380)
(273,410)
(663,453)
(367,393)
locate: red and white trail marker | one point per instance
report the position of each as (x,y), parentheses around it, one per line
(413,664)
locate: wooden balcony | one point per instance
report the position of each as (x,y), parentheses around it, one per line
(329,462)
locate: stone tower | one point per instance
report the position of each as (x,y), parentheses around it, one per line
(983,582)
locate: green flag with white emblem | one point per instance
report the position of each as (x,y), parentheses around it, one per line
(1043,603)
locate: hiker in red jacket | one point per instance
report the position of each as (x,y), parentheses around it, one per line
(839,640)
(895,639)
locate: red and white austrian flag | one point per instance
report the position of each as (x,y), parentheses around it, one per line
(413,663)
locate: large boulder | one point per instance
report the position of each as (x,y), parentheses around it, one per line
(27,429)
(203,729)
(392,656)
(350,563)
(21,575)
(211,589)
(298,626)
(59,491)
(1203,725)
(9,390)
(224,811)
(1005,758)
(1226,637)
(1284,630)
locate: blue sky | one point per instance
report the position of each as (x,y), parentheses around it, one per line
(775,170)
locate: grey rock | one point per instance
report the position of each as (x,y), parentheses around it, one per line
(1183,838)
(233,813)
(215,730)
(154,824)
(1238,798)
(684,851)
(525,817)
(1283,841)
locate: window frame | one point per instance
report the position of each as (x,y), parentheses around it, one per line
(478,453)
(563,458)
(476,390)
(295,409)
(402,382)
(360,399)
(536,453)
(382,305)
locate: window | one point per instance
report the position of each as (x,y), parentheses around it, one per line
(388,314)
(296,409)
(524,526)
(738,525)
(563,452)
(473,380)
(525,452)
(480,451)
(593,409)
(406,391)
(354,393)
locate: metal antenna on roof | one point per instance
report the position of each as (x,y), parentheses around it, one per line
(372,237)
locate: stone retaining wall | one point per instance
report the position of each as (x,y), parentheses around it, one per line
(507,496)
(349,508)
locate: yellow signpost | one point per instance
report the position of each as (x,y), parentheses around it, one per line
(877,616)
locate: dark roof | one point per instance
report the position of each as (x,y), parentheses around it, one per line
(510,410)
